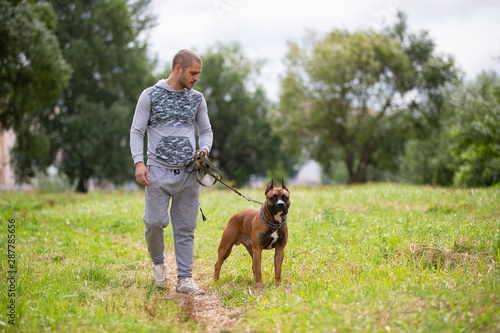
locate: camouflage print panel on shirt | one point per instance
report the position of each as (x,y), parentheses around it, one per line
(171,108)
(174,150)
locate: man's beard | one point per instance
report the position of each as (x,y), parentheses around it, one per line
(184,84)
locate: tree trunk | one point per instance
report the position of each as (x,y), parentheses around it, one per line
(363,163)
(349,162)
(83,185)
(83,180)
(357,173)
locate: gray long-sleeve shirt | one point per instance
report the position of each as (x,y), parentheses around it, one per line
(170,118)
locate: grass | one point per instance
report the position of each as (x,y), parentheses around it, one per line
(370,258)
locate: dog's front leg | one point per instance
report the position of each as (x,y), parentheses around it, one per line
(279,255)
(256,264)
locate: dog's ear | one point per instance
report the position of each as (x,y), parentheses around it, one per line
(283,185)
(269,186)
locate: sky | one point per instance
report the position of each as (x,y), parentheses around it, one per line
(465,29)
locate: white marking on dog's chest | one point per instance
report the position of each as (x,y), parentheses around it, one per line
(274,235)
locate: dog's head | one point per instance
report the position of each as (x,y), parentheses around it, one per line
(277,200)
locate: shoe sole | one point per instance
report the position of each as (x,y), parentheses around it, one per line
(194,292)
(161,286)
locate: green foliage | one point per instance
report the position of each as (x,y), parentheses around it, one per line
(110,69)
(474,131)
(461,146)
(364,258)
(33,69)
(244,143)
(33,74)
(337,174)
(427,160)
(51,183)
(353,97)
(31,151)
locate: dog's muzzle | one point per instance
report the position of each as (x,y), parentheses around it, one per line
(279,207)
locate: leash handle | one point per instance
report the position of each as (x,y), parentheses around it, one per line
(203,166)
(206,167)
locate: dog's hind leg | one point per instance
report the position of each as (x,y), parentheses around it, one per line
(223,253)
(220,261)
(229,238)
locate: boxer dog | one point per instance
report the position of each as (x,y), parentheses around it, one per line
(259,229)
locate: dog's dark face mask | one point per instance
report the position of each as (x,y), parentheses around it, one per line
(278,200)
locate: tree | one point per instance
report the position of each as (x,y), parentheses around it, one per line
(33,73)
(110,69)
(244,143)
(426,157)
(473,131)
(353,96)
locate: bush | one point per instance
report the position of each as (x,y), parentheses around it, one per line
(474,133)
(59,182)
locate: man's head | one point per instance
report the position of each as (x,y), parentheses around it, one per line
(186,67)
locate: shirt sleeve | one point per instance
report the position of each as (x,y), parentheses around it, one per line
(205,134)
(139,125)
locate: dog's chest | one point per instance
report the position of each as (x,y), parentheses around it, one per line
(271,239)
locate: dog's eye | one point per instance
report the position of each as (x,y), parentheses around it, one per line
(274,197)
(285,198)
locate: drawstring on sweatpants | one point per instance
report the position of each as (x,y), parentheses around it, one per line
(203,215)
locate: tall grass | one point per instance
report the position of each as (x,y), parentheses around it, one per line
(361,258)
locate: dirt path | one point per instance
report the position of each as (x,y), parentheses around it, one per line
(206,310)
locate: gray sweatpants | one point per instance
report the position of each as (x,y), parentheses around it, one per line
(179,189)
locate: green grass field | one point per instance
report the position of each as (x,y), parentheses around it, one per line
(370,258)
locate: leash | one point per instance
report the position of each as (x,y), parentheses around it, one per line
(203,166)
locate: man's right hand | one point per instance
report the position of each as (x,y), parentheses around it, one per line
(141,174)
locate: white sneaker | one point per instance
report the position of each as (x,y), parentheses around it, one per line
(188,286)
(160,276)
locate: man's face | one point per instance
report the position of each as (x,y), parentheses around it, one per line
(190,75)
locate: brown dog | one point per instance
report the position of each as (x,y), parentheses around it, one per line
(259,230)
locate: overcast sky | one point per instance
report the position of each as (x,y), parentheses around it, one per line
(469,30)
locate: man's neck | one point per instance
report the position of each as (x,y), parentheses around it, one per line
(172,82)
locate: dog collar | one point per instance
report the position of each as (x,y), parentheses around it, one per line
(269,223)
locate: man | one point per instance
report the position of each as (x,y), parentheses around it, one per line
(170,110)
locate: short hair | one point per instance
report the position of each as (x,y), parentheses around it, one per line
(185,58)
